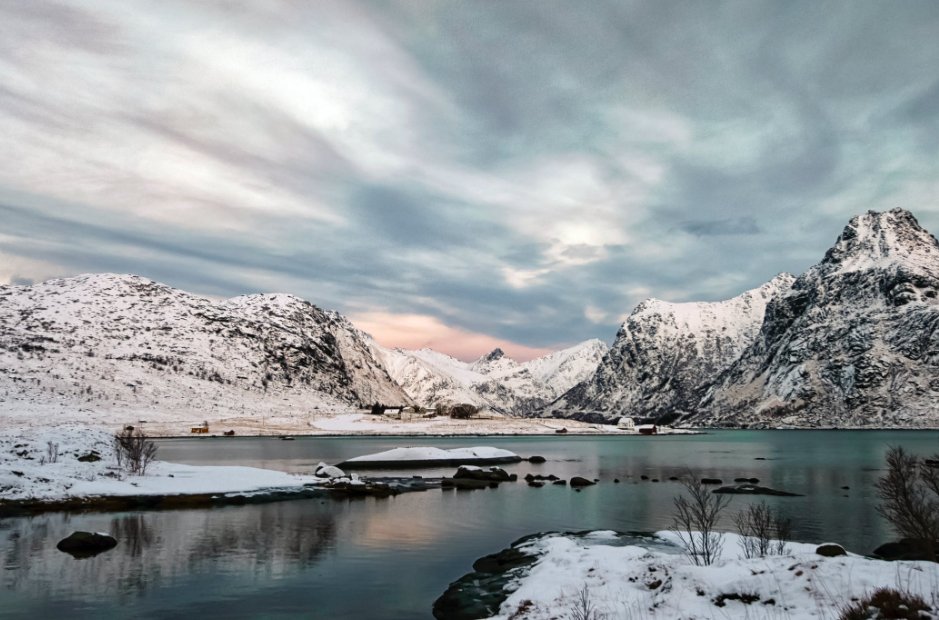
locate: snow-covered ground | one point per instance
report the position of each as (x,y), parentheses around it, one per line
(42,464)
(641,582)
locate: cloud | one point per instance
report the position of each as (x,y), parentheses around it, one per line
(726,226)
(524,172)
(413,331)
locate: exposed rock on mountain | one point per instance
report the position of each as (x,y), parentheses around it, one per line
(853,343)
(850,343)
(667,354)
(124,343)
(494,381)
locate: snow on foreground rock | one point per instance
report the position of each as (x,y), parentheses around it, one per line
(638,582)
(27,472)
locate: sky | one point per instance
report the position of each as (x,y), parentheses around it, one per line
(459,175)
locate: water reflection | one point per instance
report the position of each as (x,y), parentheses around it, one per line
(160,548)
(389,558)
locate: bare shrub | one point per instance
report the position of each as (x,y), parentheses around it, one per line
(764,532)
(696,518)
(887,603)
(52,452)
(909,498)
(134,451)
(583,608)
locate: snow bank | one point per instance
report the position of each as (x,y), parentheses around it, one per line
(642,582)
(27,470)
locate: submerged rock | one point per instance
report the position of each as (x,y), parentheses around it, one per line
(752,489)
(82,545)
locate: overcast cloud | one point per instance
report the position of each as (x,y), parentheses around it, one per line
(459,174)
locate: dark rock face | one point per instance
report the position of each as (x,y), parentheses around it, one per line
(82,545)
(853,343)
(665,355)
(830,550)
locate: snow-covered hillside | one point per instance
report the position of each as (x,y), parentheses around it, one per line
(665,354)
(494,381)
(106,348)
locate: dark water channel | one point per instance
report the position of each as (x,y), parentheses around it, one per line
(390,558)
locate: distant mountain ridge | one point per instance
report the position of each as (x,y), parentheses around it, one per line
(494,381)
(852,342)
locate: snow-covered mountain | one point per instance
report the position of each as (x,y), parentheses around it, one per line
(854,342)
(114,343)
(666,354)
(494,381)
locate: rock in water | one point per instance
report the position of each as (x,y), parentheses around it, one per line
(577,481)
(82,545)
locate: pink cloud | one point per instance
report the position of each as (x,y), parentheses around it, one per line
(415,331)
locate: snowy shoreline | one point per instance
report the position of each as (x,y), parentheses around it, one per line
(76,468)
(650,576)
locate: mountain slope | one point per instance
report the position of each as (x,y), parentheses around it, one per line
(666,354)
(494,381)
(119,343)
(853,343)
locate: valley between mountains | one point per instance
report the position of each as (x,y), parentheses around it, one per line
(850,343)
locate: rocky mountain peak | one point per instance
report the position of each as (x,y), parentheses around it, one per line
(875,238)
(492,356)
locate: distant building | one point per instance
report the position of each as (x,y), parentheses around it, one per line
(626,424)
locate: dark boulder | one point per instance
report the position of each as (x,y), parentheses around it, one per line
(82,545)
(711,481)
(750,480)
(830,550)
(912,549)
(91,457)
(495,474)
(536,459)
(577,481)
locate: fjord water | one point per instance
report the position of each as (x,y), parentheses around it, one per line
(390,558)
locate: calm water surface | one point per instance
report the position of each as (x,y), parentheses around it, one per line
(390,558)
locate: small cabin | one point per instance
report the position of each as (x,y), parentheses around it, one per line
(626,424)
(647,429)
